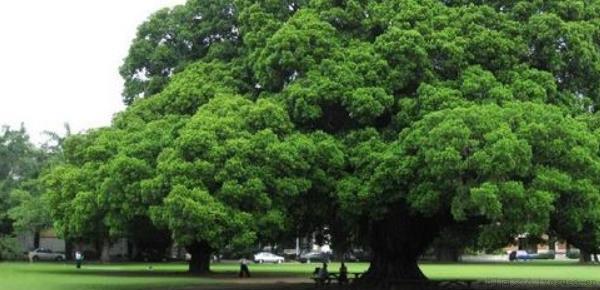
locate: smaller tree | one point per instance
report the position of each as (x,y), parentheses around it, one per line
(19,162)
(31,213)
(202,224)
(81,211)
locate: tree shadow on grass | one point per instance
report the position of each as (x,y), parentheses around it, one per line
(164,273)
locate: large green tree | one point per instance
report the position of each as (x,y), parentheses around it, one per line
(387,122)
(29,209)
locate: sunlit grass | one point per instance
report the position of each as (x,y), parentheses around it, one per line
(41,276)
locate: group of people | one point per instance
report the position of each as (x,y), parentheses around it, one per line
(322,274)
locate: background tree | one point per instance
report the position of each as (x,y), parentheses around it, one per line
(29,208)
(19,161)
(81,210)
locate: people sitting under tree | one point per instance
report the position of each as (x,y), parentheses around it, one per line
(343,278)
(323,274)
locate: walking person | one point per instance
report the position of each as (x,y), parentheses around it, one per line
(78,259)
(244,271)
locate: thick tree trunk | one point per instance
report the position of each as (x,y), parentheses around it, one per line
(105,252)
(397,243)
(200,257)
(584,256)
(447,254)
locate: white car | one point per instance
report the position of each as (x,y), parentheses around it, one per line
(43,254)
(264,257)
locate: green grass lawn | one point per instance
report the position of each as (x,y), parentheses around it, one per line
(41,276)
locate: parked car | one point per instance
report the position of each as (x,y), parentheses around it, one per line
(43,254)
(573,254)
(265,257)
(519,255)
(314,257)
(357,255)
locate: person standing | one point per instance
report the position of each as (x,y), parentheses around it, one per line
(78,259)
(244,271)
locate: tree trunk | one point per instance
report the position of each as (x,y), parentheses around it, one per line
(447,254)
(397,243)
(105,253)
(584,256)
(36,239)
(69,249)
(200,257)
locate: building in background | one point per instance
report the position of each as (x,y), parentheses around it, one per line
(48,239)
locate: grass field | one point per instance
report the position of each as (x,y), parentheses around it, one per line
(25,276)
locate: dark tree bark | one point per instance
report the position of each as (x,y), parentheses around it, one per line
(447,254)
(36,239)
(397,243)
(200,257)
(69,249)
(584,256)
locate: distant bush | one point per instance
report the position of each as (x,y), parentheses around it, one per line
(10,249)
(573,254)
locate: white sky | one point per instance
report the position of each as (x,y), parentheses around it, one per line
(59,60)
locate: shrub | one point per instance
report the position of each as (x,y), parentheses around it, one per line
(573,254)
(10,249)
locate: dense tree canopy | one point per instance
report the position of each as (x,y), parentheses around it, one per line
(23,205)
(20,163)
(384,121)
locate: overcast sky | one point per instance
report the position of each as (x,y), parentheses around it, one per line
(59,60)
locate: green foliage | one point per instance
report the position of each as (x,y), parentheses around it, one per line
(172,38)
(10,250)
(493,162)
(194,215)
(236,151)
(31,213)
(22,207)
(258,120)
